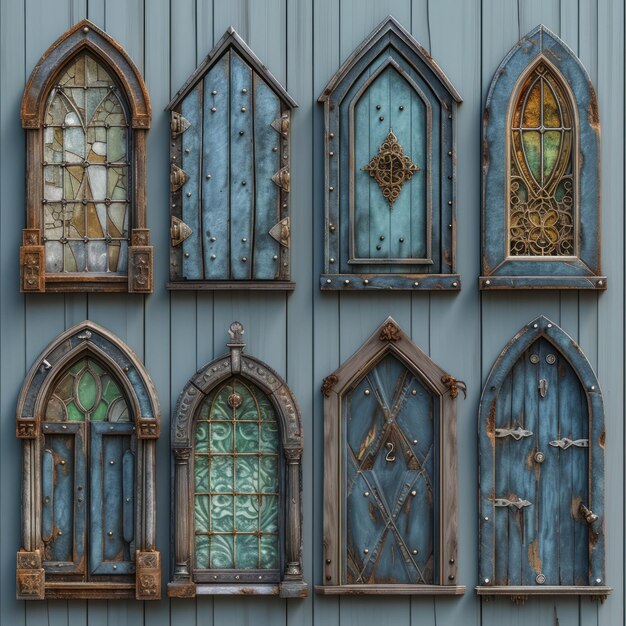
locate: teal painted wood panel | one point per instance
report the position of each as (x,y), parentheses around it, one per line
(307,334)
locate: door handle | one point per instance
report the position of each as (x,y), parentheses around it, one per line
(590,517)
(543,387)
(390,456)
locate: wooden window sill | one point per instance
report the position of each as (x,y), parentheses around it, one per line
(390,590)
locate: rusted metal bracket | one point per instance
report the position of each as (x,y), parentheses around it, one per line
(590,517)
(516,433)
(178,177)
(566,443)
(518,504)
(281,232)
(178,124)
(454,385)
(179,231)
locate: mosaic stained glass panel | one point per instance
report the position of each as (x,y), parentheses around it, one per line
(236,472)
(542,178)
(87,392)
(86,170)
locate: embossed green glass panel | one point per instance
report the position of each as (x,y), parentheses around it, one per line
(87,392)
(237,480)
(86,163)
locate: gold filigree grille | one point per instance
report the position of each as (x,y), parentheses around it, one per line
(542,177)
(391,168)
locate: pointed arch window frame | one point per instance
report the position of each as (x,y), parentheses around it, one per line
(414,64)
(88,340)
(236,364)
(389,338)
(571,351)
(85,38)
(500,269)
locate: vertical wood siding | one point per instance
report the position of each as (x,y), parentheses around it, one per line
(306,335)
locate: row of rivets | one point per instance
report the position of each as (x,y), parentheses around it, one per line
(367,282)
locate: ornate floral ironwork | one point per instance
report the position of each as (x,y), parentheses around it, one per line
(542,181)
(390,332)
(391,168)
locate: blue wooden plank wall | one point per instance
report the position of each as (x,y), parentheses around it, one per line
(307,334)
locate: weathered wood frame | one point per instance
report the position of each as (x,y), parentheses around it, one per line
(390,339)
(85,36)
(337,255)
(235,363)
(499,269)
(231,39)
(570,350)
(88,339)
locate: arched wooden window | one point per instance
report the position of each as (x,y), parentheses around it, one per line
(390,163)
(390,472)
(86,111)
(542,470)
(541,171)
(229,179)
(88,417)
(237,446)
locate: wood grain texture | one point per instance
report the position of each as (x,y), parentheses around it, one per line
(307,334)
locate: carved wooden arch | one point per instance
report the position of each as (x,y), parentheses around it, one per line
(541,327)
(85,37)
(235,363)
(500,268)
(348,265)
(88,338)
(389,338)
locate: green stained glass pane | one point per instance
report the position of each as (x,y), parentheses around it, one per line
(269,552)
(551,149)
(87,390)
(247,475)
(222,517)
(266,410)
(202,515)
(268,474)
(220,410)
(247,552)
(269,437)
(248,409)
(221,474)
(532,150)
(247,437)
(247,513)
(202,551)
(221,437)
(100,414)
(201,472)
(222,552)
(116,143)
(74,414)
(110,389)
(202,437)
(268,518)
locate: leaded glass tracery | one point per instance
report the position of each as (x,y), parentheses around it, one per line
(542,175)
(87,392)
(86,195)
(237,480)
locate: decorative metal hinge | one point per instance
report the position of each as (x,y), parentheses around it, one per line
(178,177)
(281,124)
(565,443)
(281,178)
(517,434)
(518,504)
(179,231)
(178,124)
(281,232)
(454,386)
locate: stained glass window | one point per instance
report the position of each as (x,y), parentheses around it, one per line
(542,174)
(86,170)
(237,476)
(87,392)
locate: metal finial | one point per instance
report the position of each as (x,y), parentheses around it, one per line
(236,333)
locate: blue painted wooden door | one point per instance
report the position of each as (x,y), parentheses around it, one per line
(390,467)
(231,155)
(88,476)
(541,472)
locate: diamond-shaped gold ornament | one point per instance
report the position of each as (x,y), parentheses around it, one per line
(391,168)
